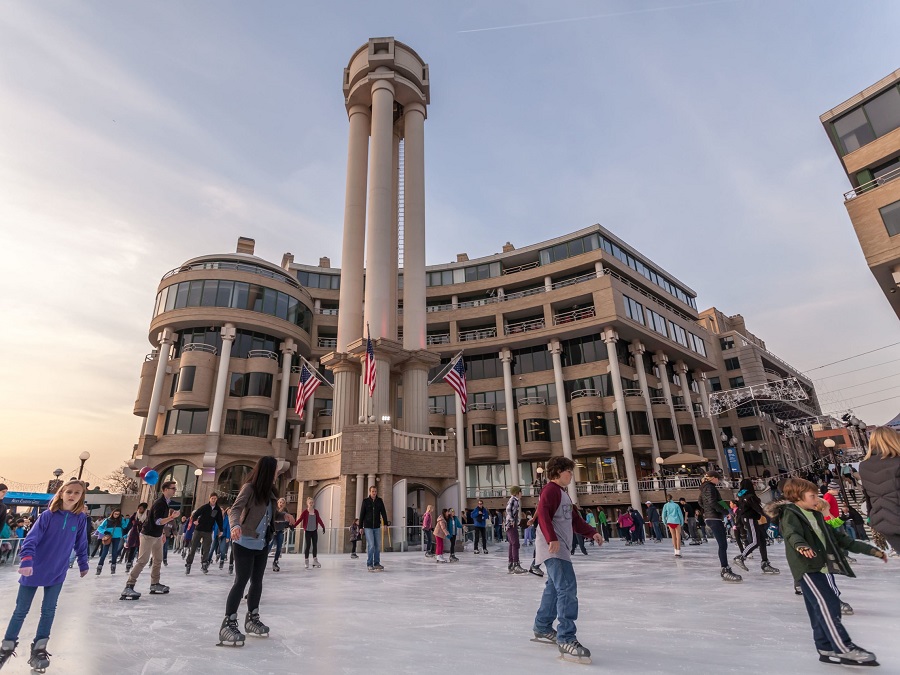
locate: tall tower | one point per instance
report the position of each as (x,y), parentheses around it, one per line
(386,91)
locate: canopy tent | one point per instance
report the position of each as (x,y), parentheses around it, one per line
(685,458)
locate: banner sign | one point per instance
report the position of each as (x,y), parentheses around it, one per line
(733,462)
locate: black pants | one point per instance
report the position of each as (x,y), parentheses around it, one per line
(718,530)
(204,540)
(452,544)
(312,540)
(353,544)
(249,565)
(578,541)
(480,531)
(756,538)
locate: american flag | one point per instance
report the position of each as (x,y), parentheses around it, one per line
(456,378)
(369,376)
(308,385)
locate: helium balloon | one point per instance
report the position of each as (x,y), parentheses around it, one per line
(143,472)
(151,477)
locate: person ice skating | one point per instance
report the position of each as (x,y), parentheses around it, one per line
(556,523)
(880,474)
(577,539)
(133,538)
(714,511)
(454,527)
(626,524)
(814,551)
(673,517)
(428,531)
(602,521)
(830,496)
(480,517)
(310,521)
(44,563)
(252,530)
(113,528)
(440,531)
(750,512)
(282,520)
(653,518)
(511,521)
(355,536)
(204,518)
(638,531)
(371,515)
(151,544)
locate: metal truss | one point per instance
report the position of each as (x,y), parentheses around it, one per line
(788,389)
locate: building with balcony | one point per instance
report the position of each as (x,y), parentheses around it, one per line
(865,133)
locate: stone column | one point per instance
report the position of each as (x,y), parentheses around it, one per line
(352,261)
(610,337)
(345,407)
(415,396)
(555,349)
(414,228)
(548,284)
(308,415)
(166,338)
(215,415)
(461,451)
(637,348)
(370,480)
(295,437)
(506,359)
(393,318)
(598,268)
(360,493)
(660,360)
(681,368)
(700,376)
(288,349)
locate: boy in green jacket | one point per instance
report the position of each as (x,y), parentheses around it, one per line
(815,551)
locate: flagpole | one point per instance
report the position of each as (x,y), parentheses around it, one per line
(313,369)
(446,369)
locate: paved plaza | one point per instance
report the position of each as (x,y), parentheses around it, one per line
(641,611)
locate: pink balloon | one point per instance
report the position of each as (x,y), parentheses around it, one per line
(144,471)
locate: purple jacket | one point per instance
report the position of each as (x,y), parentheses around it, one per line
(48,545)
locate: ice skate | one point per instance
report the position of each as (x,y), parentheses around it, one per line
(353,556)
(204,567)
(230,568)
(846,609)
(187,569)
(453,558)
(548,638)
(255,627)
(275,566)
(575,652)
(509,568)
(484,551)
(40,657)
(7,649)
(222,563)
(99,570)
(476,551)
(797,590)
(129,593)
(316,562)
(378,568)
(857,656)
(112,568)
(158,589)
(536,570)
(739,561)
(440,558)
(677,554)
(229,635)
(371,568)
(730,576)
(128,567)
(767,568)
(307,563)
(518,569)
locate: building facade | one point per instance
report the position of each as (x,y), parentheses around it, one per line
(865,133)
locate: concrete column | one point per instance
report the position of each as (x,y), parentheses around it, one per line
(308,419)
(370,482)
(598,268)
(556,354)
(345,407)
(506,359)
(380,404)
(166,338)
(395,233)
(295,437)
(352,261)
(681,368)
(288,349)
(415,397)
(414,227)
(610,337)
(378,227)
(660,360)
(461,451)
(214,432)
(637,348)
(548,284)
(713,425)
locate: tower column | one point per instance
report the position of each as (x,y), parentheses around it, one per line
(461,451)
(414,228)
(415,396)
(166,338)
(506,359)
(215,415)
(661,361)
(637,348)
(346,394)
(556,354)
(610,337)
(700,376)
(682,369)
(288,349)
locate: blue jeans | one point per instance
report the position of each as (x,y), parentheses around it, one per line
(116,543)
(657,530)
(279,542)
(373,546)
(559,601)
(23,604)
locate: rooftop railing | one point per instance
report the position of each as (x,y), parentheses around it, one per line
(236,266)
(633,392)
(649,296)
(198,347)
(481,406)
(532,400)
(522,268)
(574,280)
(872,184)
(581,393)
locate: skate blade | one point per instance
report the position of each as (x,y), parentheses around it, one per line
(583,660)
(543,641)
(257,635)
(159,592)
(126,597)
(838,661)
(230,644)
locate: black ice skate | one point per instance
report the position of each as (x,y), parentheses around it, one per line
(112,568)
(158,589)
(129,593)
(453,558)
(40,657)
(7,649)
(857,656)
(229,635)
(275,567)
(378,568)
(187,569)
(536,570)
(739,561)
(730,576)
(846,609)
(204,567)
(255,627)
(575,652)
(98,570)
(222,563)
(128,567)
(548,638)
(767,568)
(517,569)
(230,568)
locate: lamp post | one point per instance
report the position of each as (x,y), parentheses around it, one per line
(725,444)
(540,477)
(660,461)
(84,456)
(829,443)
(197,474)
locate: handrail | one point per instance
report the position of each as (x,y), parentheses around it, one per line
(198,347)
(477,334)
(324,412)
(628,282)
(152,356)
(481,406)
(438,308)
(681,407)
(480,302)
(405,440)
(658,400)
(531,400)
(633,392)
(262,354)
(515,295)
(327,342)
(323,446)
(579,393)
(439,339)
(239,267)
(327,311)
(574,315)
(872,184)
(434,410)
(574,280)
(522,268)
(296,369)
(523,326)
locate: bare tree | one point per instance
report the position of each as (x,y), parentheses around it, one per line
(119,483)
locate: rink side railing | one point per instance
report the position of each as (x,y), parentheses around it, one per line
(9,551)
(396,539)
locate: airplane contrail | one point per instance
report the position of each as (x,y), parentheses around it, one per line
(597,16)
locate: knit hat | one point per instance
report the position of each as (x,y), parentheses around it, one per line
(834,486)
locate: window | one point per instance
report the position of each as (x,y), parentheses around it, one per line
(250,384)
(706,440)
(686,431)
(873,119)
(442,405)
(586,349)
(484,434)
(547,392)
(494,400)
(531,360)
(598,383)
(751,434)
(246,423)
(187,421)
(634,310)
(483,366)
(656,322)
(318,280)
(664,430)
(591,424)
(637,423)
(536,430)
(727,342)
(883,112)
(736,382)
(715,384)
(890,215)
(186,378)
(678,333)
(732,364)
(174,384)
(697,344)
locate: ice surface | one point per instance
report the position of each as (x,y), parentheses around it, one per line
(641,611)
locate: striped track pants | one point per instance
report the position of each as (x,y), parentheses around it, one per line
(824,609)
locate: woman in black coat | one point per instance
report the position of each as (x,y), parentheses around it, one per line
(880,473)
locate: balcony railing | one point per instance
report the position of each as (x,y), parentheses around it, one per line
(434,410)
(480,302)
(522,268)
(532,400)
(324,412)
(580,393)
(328,311)
(478,334)
(481,406)
(872,184)
(198,347)
(236,266)
(658,400)
(438,339)
(439,308)
(327,343)
(419,442)
(523,326)
(515,295)
(633,392)
(574,280)
(323,446)
(574,315)
(152,356)
(665,305)
(262,354)
(644,485)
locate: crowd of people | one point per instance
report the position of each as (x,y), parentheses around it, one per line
(818,532)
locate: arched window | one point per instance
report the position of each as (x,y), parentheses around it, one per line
(185,481)
(230,481)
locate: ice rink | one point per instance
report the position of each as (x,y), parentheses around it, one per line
(641,611)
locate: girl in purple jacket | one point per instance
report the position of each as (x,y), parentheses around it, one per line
(44,563)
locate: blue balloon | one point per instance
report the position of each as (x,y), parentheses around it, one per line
(151,477)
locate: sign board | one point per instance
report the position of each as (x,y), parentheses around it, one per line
(27,499)
(733,462)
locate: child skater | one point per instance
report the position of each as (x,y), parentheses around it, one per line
(814,552)
(44,563)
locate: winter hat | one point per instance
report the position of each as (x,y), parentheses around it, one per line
(712,473)
(649,503)
(834,486)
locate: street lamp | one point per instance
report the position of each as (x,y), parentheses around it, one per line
(540,477)
(84,456)
(829,444)
(197,474)
(660,461)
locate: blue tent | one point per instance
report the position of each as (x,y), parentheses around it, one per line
(41,499)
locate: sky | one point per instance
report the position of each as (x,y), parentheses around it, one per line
(134,136)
